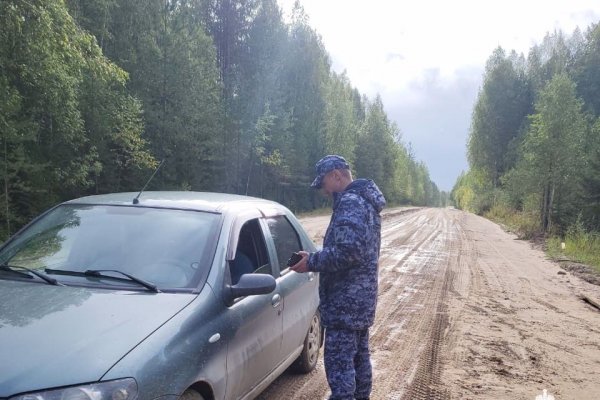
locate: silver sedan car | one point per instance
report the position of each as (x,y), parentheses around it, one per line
(177,295)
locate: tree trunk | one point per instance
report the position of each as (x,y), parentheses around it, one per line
(249,171)
(550,204)
(544,209)
(6,188)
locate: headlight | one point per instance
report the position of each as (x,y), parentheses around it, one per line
(122,389)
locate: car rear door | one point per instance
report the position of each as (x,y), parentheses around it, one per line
(299,292)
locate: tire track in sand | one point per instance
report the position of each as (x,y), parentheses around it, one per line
(411,314)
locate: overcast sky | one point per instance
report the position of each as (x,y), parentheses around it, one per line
(426,59)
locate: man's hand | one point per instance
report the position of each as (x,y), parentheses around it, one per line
(302,265)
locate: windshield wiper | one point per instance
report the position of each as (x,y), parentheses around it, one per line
(41,275)
(99,273)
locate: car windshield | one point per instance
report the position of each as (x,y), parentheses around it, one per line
(169,248)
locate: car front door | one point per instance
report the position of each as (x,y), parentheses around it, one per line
(256,321)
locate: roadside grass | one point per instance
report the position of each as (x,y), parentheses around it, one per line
(579,246)
(524,224)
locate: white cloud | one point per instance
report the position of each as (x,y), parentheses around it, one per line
(447,35)
(403,49)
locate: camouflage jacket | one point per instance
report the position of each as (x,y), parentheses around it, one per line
(348,262)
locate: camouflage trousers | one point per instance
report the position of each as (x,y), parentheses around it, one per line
(348,363)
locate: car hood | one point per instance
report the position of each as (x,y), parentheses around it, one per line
(56,336)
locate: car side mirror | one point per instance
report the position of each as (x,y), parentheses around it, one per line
(248,285)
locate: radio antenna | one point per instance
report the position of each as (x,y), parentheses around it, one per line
(135,199)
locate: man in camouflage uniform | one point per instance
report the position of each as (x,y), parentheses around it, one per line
(347,267)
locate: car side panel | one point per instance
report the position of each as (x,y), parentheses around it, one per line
(299,305)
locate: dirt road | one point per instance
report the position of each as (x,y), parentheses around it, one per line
(466,311)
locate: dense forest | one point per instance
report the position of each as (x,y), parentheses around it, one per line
(534,143)
(94,94)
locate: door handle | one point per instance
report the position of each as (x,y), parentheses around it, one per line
(276,300)
(311,276)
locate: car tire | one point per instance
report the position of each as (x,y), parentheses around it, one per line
(307,360)
(191,394)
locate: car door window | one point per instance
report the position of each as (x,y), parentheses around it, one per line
(251,253)
(285,238)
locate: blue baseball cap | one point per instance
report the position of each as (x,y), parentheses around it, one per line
(326,165)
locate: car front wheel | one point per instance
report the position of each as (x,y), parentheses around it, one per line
(307,360)
(191,394)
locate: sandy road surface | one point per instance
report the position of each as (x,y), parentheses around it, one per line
(466,311)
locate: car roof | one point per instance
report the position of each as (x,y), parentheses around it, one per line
(199,201)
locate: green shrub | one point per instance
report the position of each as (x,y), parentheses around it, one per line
(580,245)
(553,247)
(525,224)
(583,247)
